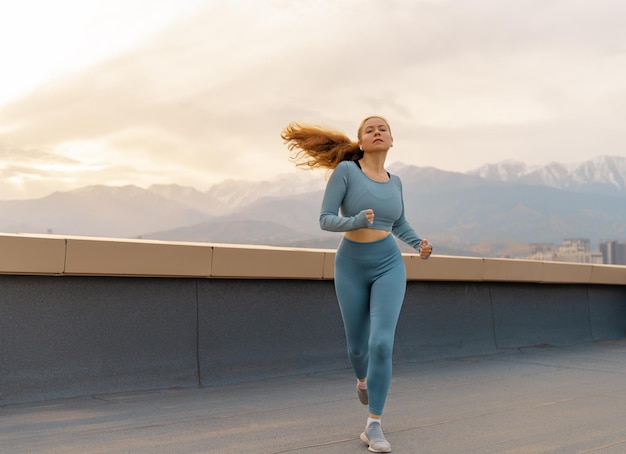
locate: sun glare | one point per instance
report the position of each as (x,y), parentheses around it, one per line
(42,40)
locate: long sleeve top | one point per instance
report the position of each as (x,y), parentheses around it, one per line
(353,192)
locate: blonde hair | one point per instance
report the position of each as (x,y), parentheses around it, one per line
(319,147)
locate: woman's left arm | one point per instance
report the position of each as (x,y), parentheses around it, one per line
(403,230)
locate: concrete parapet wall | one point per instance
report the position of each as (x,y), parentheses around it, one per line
(88,316)
(82,256)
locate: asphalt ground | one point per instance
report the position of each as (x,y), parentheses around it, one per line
(534,400)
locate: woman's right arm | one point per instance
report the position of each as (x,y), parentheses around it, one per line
(333,197)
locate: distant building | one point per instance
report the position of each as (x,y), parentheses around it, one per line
(577,250)
(541,251)
(613,252)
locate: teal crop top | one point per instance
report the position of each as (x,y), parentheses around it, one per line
(350,190)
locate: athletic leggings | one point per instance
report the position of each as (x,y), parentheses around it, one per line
(370,281)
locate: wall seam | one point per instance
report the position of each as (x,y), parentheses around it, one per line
(493,317)
(198,369)
(65,258)
(593,337)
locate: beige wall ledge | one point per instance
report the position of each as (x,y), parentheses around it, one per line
(86,256)
(137,258)
(31,254)
(237,261)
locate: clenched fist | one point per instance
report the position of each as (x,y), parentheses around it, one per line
(425,249)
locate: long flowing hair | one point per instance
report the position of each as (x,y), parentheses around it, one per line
(319,147)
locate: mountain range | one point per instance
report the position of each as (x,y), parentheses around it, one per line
(494,210)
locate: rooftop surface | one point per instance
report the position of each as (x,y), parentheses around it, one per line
(533,400)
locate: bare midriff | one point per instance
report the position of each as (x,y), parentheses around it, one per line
(366,235)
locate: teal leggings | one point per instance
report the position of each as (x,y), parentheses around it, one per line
(370,282)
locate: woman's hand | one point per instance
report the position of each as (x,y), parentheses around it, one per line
(425,249)
(369,214)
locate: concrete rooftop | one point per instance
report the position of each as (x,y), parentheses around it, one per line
(536,400)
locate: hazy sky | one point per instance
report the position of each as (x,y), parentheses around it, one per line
(194,92)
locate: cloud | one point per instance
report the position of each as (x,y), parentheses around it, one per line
(463,83)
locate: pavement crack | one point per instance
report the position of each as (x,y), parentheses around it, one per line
(603,447)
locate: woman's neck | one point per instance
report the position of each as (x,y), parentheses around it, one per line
(374,162)
(374,167)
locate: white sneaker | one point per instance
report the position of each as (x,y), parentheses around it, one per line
(374,438)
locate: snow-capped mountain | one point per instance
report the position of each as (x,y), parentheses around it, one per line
(495,204)
(235,193)
(604,174)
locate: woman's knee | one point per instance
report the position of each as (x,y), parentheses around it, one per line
(381,347)
(357,353)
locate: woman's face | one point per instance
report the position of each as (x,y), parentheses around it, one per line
(375,135)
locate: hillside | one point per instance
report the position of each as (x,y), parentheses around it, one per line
(492,211)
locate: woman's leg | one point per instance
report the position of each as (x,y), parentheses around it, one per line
(387,296)
(353,296)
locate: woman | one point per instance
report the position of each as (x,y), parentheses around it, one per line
(370,276)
